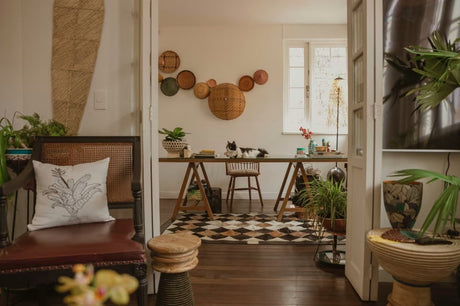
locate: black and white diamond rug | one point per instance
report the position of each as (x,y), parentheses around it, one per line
(251,228)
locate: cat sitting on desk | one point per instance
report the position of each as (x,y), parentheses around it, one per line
(233,151)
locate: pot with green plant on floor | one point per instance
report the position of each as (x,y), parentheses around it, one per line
(417,259)
(174,142)
(16,144)
(327,201)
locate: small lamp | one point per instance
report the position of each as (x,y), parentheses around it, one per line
(336,102)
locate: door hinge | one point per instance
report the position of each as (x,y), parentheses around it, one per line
(377,111)
(151,113)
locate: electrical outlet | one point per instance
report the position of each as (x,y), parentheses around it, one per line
(100,99)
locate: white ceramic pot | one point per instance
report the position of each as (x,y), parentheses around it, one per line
(174,147)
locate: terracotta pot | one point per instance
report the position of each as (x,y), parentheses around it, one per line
(339,227)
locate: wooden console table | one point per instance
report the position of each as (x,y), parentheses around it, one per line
(195,164)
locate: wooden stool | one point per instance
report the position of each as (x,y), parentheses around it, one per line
(174,255)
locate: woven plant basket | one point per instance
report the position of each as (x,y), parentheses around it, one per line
(226,101)
(174,147)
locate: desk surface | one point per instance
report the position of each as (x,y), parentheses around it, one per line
(270,159)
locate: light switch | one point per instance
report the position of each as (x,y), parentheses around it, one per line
(100,99)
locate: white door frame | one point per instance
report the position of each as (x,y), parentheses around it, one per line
(364,151)
(148,46)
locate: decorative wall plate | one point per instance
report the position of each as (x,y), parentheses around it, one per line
(260,77)
(201,90)
(169,86)
(212,83)
(186,79)
(168,61)
(246,83)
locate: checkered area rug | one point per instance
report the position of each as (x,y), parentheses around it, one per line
(252,228)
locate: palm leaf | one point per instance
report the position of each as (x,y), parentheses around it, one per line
(445,207)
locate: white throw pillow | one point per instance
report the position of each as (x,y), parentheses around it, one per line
(70,194)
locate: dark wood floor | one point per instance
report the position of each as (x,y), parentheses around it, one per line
(284,275)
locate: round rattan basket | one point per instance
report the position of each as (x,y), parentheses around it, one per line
(174,147)
(226,101)
(168,61)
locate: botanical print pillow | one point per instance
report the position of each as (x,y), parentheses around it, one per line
(70,194)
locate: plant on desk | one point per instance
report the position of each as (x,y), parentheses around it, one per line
(174,141)
(327,201)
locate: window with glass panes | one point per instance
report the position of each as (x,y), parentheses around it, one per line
(310,69)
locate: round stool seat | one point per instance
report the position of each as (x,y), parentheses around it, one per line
(174,255)
(177,243)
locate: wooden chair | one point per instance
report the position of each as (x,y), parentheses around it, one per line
(39,257)
(242,169)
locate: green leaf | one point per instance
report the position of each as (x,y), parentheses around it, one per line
(445,207)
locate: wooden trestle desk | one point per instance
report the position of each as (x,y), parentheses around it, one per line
(194,164)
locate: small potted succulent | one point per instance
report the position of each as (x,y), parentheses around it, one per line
(174,141)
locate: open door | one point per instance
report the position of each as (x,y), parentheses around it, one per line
(364,132)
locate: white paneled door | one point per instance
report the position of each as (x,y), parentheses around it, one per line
(364,160)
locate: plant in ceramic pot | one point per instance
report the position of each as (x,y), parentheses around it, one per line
(444,208)
(174,141)
(16,144)
(327,201)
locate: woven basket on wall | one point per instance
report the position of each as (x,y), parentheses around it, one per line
(226,101)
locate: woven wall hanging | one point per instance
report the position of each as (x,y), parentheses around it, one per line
(168,61)
(77,30)
(226,101)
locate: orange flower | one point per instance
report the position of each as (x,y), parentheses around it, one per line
(306,133)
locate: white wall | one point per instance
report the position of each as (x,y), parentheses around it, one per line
(25,56)
(11,73)
(25,76)
(225,53)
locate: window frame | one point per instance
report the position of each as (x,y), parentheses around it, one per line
(308,46)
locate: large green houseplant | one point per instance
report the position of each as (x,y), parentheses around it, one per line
(326,199)
(431,73)
(440,72)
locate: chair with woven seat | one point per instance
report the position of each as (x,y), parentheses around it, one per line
(39,256)
(242,169)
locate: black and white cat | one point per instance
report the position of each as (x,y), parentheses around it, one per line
(233,151)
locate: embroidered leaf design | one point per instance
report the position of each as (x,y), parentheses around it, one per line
(70,194)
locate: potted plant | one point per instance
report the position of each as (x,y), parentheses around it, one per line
(16,144)
(327,201)
(174,141)
(444,208)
